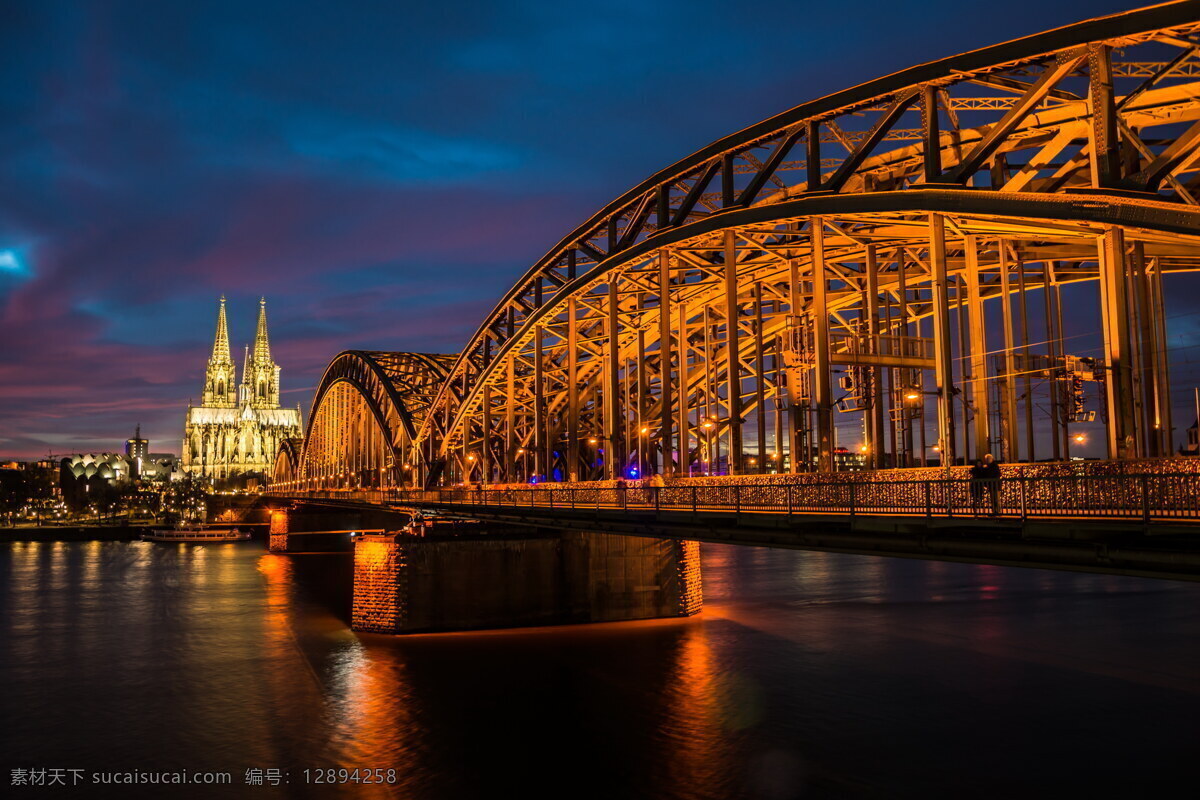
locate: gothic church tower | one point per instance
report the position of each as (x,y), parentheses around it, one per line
(261,373)
(238,430)
(220,379)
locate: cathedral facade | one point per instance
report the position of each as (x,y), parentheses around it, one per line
(238,428)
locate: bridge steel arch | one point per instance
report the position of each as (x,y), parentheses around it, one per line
(899,248)
(288,461)
(364,419)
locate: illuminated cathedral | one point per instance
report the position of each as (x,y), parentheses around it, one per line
(237,429)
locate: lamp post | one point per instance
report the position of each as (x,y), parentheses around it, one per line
(709,426)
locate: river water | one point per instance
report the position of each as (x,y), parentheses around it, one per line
(807,675)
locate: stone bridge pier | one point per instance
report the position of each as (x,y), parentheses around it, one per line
(310,529)
(457,575)
(409,584)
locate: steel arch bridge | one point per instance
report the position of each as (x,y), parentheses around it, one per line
(895,251)
(366,416)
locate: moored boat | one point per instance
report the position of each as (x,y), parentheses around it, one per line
(195,534)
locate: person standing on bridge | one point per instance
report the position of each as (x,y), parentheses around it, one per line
(990,474)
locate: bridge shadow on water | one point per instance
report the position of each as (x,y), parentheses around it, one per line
(324,580)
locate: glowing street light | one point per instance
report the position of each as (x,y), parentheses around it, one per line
(593,440)
(1079,437)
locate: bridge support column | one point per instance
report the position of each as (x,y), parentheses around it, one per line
(874,426)
(277,541)
(409,585)
(733,368)
(943,360)
(380,585)
(823,379)
(1114,311)
(666,388)
(573,471)
(614,457)
(978,346)
(1007,382)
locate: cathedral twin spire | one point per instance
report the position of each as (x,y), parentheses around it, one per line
(260,375)
(262,346)
(239,427)
(221,345)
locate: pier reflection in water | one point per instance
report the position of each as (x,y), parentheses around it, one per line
(806,674)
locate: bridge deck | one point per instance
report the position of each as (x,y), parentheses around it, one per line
(1145,498)
(1129,524)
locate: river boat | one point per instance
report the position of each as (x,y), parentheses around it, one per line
(195,534)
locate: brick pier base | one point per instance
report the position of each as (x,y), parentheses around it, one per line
(277,541)
(409,585)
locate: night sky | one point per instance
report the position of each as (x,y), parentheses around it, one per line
(381,172)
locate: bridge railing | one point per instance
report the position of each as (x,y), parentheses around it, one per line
(1146,497)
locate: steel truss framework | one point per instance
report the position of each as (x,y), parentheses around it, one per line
(882,243)
(366,414)
(288,461)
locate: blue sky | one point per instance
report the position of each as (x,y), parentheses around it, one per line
(382,172)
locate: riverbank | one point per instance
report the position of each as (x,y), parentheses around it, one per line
(73,533)
(89,533)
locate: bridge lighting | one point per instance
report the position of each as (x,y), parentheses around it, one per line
(753,461)
(1079,437)
(520,451)
(645,431)
(937,448)
(708,423)
(471,457)
(593,440)
(912,396)
(862,449)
